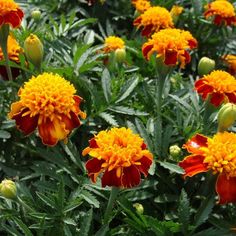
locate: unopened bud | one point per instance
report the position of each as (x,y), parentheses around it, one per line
(175,151)
(34,50)
(8,189)
(120,55)
(139,208)
(226,116)
(36,15)
(205,66)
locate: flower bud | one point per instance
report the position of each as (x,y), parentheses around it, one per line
(139,208)
(8,189)
(120,55)
(175,151)
(226,116)
(36,15)
(205,66)
(34,50)
(175,12)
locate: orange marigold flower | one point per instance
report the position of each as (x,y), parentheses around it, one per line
(172,45)
(217,154)
(153,20)
(120,155)
(219,85)
(231,63)
(176,10)
(223,12)
(141,5)
(10,13)
(112,43)
(47,102)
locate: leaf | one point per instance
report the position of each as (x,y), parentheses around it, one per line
(102,231)
(128,88)
(86,223)
(213,232)
(108,118)
(127,111)
(4,134)
(106,84)
(172,167)
(88,197)
(22,227)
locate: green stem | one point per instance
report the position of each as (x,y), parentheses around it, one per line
(112,198)
(4,32)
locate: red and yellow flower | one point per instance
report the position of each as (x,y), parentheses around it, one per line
(171,45)
(112,43)
(222,11)
(141,5)
(218,155)
(47,102)
(120,155)
(153,20)
(10,13)
(230,60)
(219,85)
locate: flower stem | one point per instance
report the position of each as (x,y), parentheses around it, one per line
(112,198)
(4,32)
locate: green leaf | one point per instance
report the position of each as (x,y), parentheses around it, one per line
(22,227)
(102,231)
(86,223)
(172,167)
(106,84)
(88,197)
(213,232)
(108,118)
(4,134)
(127,111)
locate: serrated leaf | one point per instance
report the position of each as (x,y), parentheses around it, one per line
(86,223)
(127,111)
(108,118)
(4,134)
(106,84)
(172,167)
(22,227)
(90,198)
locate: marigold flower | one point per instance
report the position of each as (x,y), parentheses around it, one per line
(10,13)
(223,12)
(176,10)
(219,85)
(218,155)
(47,102)
(231,63)
(153,20)
(120,155)
(112,43)
(141,5)
(171,45)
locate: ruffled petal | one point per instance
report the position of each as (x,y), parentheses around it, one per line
(231,97)
(217,99)
(93,143)
(171,57)
(131,177)
(226,189)
(72,122)
(94,167)
(16,107)
(145,165)
(110,179)
(146,49)
(147,30)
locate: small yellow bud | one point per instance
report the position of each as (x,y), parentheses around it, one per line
(36,15)
(175,151)
(205,66)
(226,116)
(120,55)
(8,189)
(34,50)
(139,208)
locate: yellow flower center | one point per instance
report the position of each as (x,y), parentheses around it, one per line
(220,153)
(47,95)
(7,6)
(221,81)
(112,43)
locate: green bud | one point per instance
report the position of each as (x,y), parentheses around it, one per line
(120,55)
(139,208)
(8,189)
(226,116)
(175,151)
(34,50)
(36,15)
(205,66)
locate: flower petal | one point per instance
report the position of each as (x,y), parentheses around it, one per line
(146,49)
(147,30)
(195,143)
(72,122)
(145,165)
(171,57)
(226,189)
(110,178)
(94,167)
(217,99)
(131,177)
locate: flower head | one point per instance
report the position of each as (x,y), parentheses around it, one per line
(10,13)
(230,60)
(112,43)
(176,10)
(219,85)
(120,155)
(218,155)
(153,20)
(171,45)
(47,102)
(141,5)
(222,11)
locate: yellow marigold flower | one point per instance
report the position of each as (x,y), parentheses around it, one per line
(231,63)
(10,13)
(217,154)
(47,102)
(171,45)
(176,10)
(141,5)
(112,43)
(153,20)
(220,85)
(222,11)
(120,155)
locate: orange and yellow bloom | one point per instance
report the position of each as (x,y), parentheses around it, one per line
(141,5)
(230,61)
(219,85)
(10,13)
(112,43)
(120,155)
(153,20)
(222,11)
(218,155)
(171,45)
(47,102)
